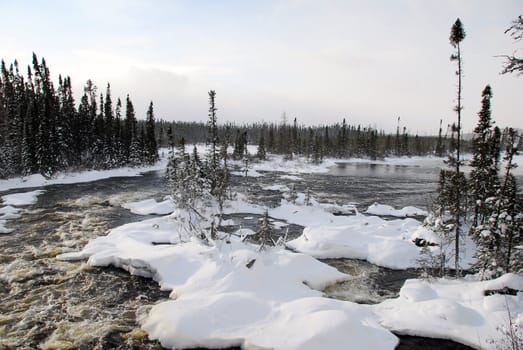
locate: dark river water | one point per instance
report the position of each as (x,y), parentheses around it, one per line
(52,304)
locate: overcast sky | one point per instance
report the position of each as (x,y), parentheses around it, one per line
(319,61)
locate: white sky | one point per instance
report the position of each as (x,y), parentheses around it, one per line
(317,60)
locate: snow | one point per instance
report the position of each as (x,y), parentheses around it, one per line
(454,309)
(22,198)
(234,295)
(231,294)
(10,202)
(384,243)
(38,180)
(291,177)
(277,187)
(9,212)
(150,206)
(387,210)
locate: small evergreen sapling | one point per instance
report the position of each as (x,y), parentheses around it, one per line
(264,236)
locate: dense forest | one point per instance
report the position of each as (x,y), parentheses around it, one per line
(42,130)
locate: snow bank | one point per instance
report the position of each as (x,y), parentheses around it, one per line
(384,243)
(298,165)
(38,180)
(150,206)
(233,295)
(454,309)
(387,210)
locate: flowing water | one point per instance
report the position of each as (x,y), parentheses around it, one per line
(52,304)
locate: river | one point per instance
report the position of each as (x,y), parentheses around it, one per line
(52,304)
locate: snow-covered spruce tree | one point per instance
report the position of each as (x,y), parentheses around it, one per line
(442,219)
(223,184)
(499,238)
(189,189)
(483,181)
(264,236)
(197,188)
(216,171)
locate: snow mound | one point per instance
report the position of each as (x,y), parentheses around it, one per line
(458,310)
(387,210)
(242,319)
(150,206)
(384,243)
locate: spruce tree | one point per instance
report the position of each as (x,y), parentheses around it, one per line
(129,133)
(439,145)
(499,238)
(151,147)
(214,157)
(484,173)
(342,140)
(108,132)
(117,138)
(457,35)
(264,236)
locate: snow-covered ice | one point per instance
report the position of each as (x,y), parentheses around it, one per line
(387,210)
(9,213)
(277,187)
(455,309)
(22,198)
(10,201)
(150,206)
(384,243)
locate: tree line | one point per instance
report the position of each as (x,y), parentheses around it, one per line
(42,130)
(338,140)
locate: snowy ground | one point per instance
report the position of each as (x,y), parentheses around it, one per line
(231,294)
